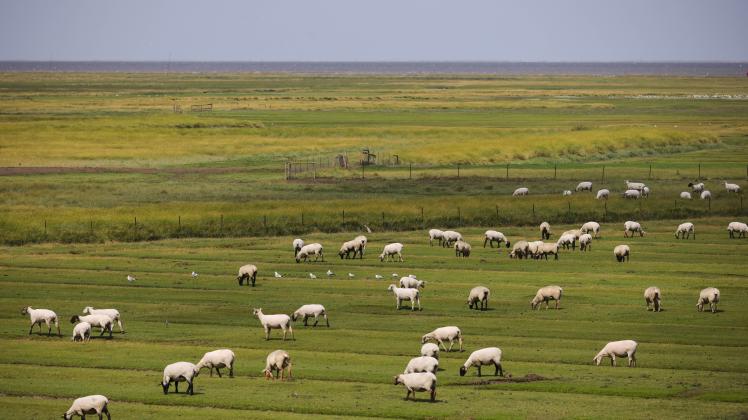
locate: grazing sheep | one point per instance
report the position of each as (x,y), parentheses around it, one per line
(576,232)
(533,249)
(269,322)
(99,320)
(645,192)
(401,294)
(180,372)
(450,237)
(309,311)
(390,250)
(632,228)
(521,250)
(522,191)
(444,333)
(435,234)
(462,249)
(567,240)
(308,250)
(492,236)
(685,195)
(633,194)
(548,248)
(546,294)
(424,381)
(653,297)
(684,231)
(92,404)
(732,188)
(217,359)
(733,228)
(566,193)
(347,248)
(412,283)
(602,194)
(585,242)
(82,331)
(706,195)
(634,185)
(622,253)
(545,231)
(709,295)
(277,361)
(422,364)
(618,349)
(247,272)
(584,186)
(697,188)
(362,242)
(483,357)
(431,350)
(593,227)
(113,313)
(37,316)
(478,296)
(297,245)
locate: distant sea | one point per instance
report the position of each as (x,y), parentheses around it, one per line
(497,68)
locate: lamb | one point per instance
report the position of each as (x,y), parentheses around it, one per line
(545,231)
(653,297)
(390,250)
(444,333)
(567,240)
(422,364)
(733,228)
(593,227)
(645,192)
(308,250)
(483,357)
(709,295)
(492,236)
(424,381)
(566,193)
(622,253)
(685,195)
(298,243)
(462,249)
(584,186)
(309,311)
(269,322)
(602,194)
(478,296)
(37,316)
(633,194)
(401,294)
(99,320)
(632,228)
(520,250)
(548,248)
(732,188)
(362,242)
(179,372)
(92,404)
(618,349)
(450,237)
(697,188)
(82,332)
(277,361)
(113,313)
(685,230)
(247,272)
(585,242)
(522,191)
(412,283)
(435,234)
(634,185)
(431,350)
(347,248)
(546,294)
(218,359)
(706,195)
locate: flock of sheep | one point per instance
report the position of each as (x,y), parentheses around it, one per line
(636,190)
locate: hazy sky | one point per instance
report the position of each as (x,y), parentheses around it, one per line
(375,30)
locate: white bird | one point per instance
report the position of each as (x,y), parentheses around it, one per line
(395,275)
(377,276)
(278,275)
(351,275)
(130,278)
(330,273)
(312,276)
(194,275)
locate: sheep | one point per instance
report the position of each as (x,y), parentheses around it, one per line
(390,250)
(732,228)
(308,311)
(92,404)
(435,234)
(450,237)
(431,350)
(269,322)
(632,228)
(593,227)
(653,297)
(576,232)
(37,316)
(82,331)
(685,195)
(522,191)
(622,253)
(462,249)
(546,294)
(347,248)
(634,185)
(247,272)
(545,231)
(602,194)
(618,349)
(412,283)
(645,192)
(685,230)
(218,359)
(633,194)
(567,240)
(444,333)
(401,294)
(732,188)
(483,357)
(533,249)
(179,372)
(566,193)
(706,195)
(584,186)
(361,248)
(277,361)
(298,243)
(422,364)
(697,188)
(311,249)
(478,296)
(492,236)
(709,295)
(113,313)
(585,242)
(548,248)
(98,320)
(423,381)
(520,250)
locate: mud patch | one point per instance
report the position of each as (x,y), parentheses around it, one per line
(530,377)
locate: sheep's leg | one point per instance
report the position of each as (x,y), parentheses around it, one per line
(557,302)
(119,323)
(316,320)
(499,370)
(284,333)
(305,318)
(176,387)
(99,413)
(613,360)
(479,372)
(484,243)
(106,411)
(433,394)
(290,328)
(267,333)
(419,304)
(32,327)
(49,327)
(189,388)
(218,371)
(210,371)
(327,321)
(460,340)
(441,343)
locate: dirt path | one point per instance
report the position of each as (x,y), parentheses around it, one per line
(47,170)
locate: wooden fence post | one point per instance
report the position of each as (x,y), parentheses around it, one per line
(650,171)
(179,222)
(459,217)
(265,222)
(422,220)
(382,220)
(507,171)
(699,171)
(302,218)
(410,173)
(220,232)
(45,227)
(458,170)
(497,213)
(603,179)
(555,170)
(343,216)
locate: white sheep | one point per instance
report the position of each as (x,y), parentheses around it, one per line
(309,311)
(706,195)
(593,227)
(422,364)
(709,295)
(298,243)
(347,248)
(450,237)
(632,228)
(403,294)
(618,349)
(567,240)
(435,234)
(478,298)
(685,195)
(443,334)
(733,228)
(217,359)
(278,321)
(634,185)
(520,250)
(492,236)
(390,251)
(653,297)
(180,372)
(308,250)
(732,188)
(519,192)
(533,249)
(545,231)
(645,192)
(362,242)
(566,193)
(684,231)
(484,357)
(424,381)
(113,313)
(462,249)
(548,248)
(247,272)
(696,187)
(622,253)
(412,283)
(102,321)
(82,332)
(92,404)
(546,294)
(431,350)
(602,194)
(633,194)
(37,316)
(584,186)
(277,361)
(576,232)
(585,242)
